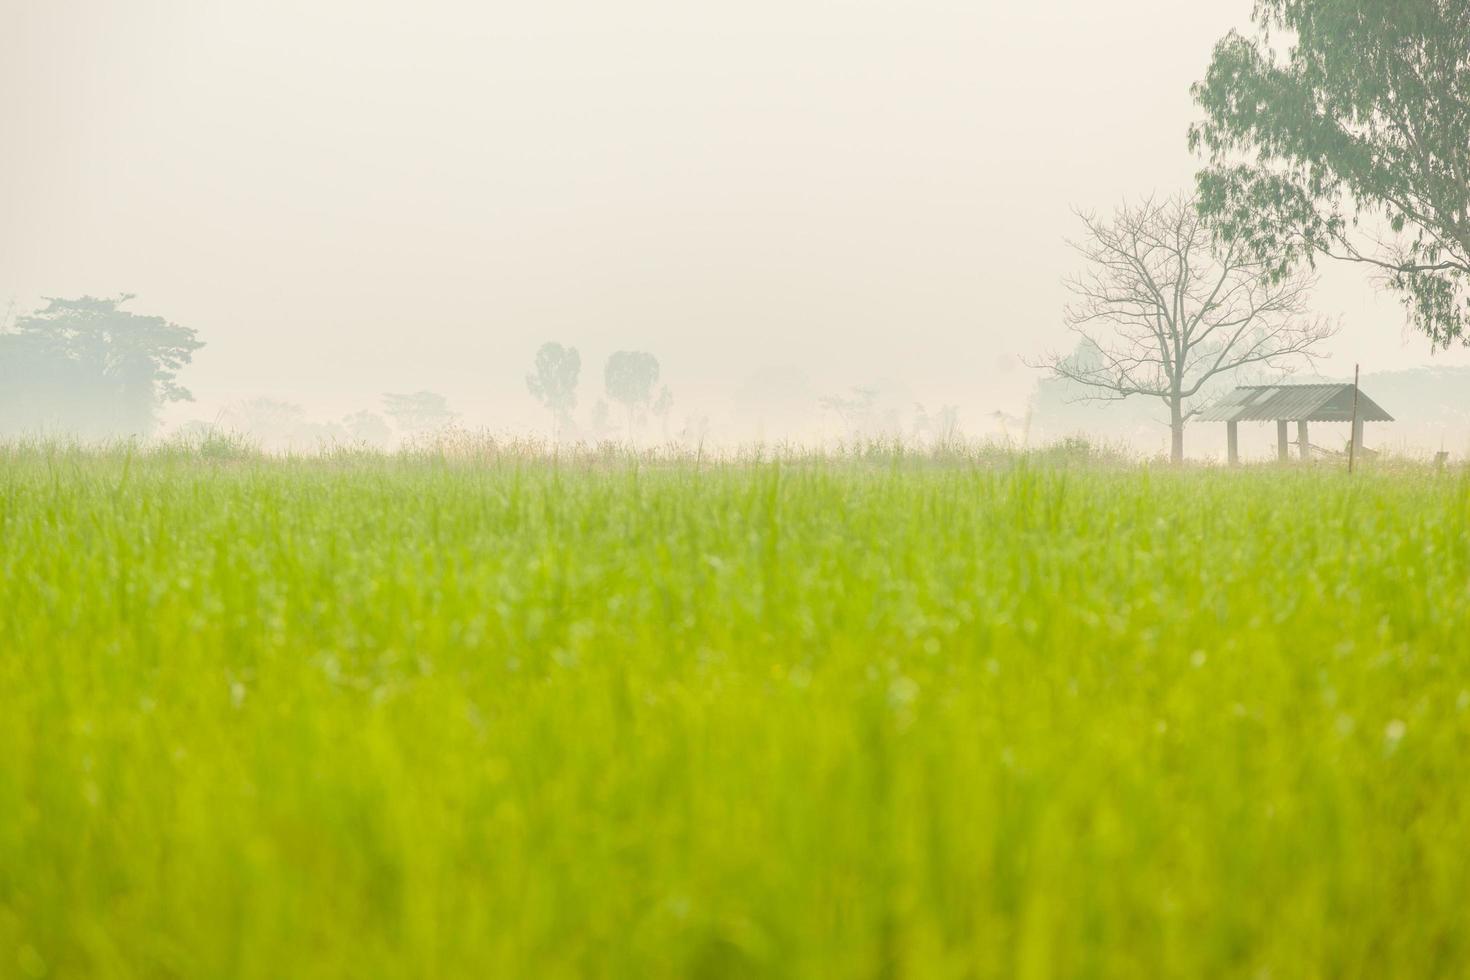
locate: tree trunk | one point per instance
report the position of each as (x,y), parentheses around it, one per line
(1176,432)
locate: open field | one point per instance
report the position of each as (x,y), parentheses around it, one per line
(416,717)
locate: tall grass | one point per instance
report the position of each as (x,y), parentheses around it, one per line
(499,715)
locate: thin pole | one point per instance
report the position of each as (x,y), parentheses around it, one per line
(1353,437)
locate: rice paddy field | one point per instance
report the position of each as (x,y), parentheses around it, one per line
(868,716)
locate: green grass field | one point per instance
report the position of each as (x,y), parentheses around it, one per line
(881,717)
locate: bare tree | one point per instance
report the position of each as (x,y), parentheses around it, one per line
(1165,306)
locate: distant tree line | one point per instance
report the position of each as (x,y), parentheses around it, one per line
(1352,143)
(277,423)
(629,379)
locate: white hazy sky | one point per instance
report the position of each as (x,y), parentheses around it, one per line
(351,196)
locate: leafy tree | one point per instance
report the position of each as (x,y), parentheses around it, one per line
(856,411)
(554,383)
(1166,307)
(1366,115)
(367,428)
(89,367)
(629,377)
(422,411)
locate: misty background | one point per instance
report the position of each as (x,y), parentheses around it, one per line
(784,202)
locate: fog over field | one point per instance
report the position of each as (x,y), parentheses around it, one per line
(785,489)
(780,200)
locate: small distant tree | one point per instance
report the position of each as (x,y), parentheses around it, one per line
(422,411)
(89,366)
(857,411)
(629,378)
(367,428)
(554,383)
(1166,307)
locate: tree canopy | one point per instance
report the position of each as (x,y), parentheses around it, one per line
(629,377)
(88,367)
(1342,128)
(554,381)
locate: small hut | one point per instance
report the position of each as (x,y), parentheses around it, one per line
(1293,403)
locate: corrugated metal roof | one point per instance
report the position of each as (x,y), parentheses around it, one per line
(1294,403)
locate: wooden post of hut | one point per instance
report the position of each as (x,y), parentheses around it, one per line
(1302,439)
(1232,441)
(1283,445)
(1355,440)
